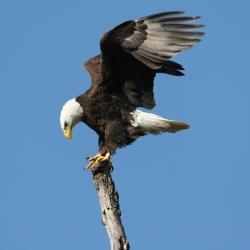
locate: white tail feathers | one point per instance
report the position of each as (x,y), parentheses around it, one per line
(154,124)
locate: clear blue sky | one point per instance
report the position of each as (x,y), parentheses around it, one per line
(187,191)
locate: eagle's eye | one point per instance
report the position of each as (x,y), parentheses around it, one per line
(65,125)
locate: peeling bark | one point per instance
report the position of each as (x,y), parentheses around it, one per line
(110,207)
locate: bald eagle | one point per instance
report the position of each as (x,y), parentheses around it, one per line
(122,80)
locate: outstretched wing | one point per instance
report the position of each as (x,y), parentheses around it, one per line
(162,36)
(133,52)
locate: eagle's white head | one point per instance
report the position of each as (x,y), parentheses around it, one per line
(71,114)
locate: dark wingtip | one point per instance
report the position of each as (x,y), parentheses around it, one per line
(172,68)
(195,17)
(180,74)
(161,14)
(201,26)
(170,71)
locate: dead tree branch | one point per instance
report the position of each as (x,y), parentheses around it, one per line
(109,203)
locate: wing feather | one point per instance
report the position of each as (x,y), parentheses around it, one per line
(134,51)
(93,68)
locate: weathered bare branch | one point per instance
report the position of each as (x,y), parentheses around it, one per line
(110,207)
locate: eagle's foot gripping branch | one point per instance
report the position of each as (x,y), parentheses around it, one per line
(93,158)
(97,161)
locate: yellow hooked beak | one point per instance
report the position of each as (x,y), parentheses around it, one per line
(68,133)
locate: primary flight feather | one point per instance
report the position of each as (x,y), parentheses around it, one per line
(122,78)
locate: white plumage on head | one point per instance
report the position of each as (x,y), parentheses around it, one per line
(71,114)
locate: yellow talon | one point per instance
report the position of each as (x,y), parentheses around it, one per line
(101,158)
(96,160)
(93,158)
